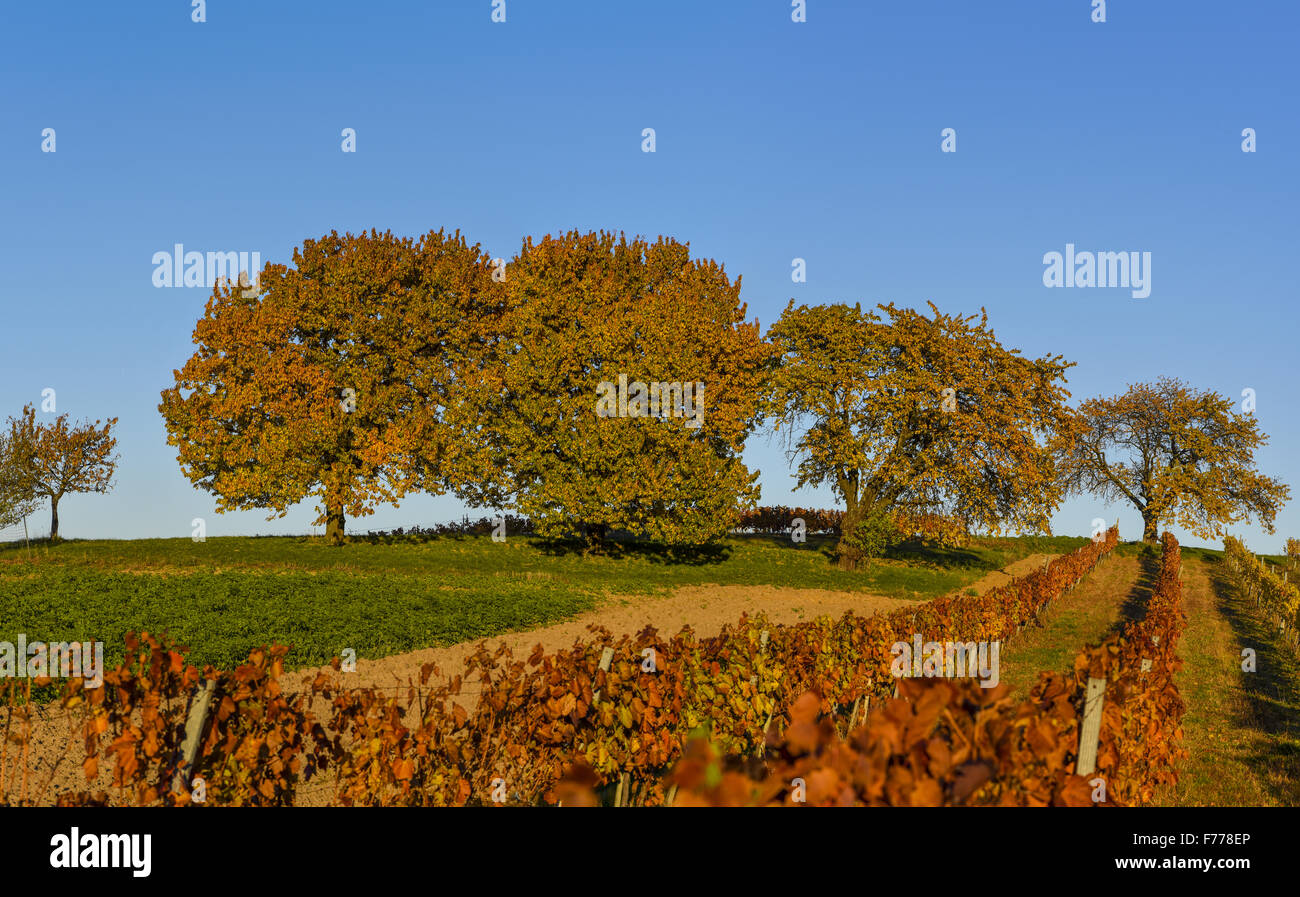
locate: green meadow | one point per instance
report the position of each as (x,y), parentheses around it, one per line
(386,595)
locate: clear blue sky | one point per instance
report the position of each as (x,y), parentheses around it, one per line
(775,140)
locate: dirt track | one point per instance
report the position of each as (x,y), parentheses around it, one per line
(707,608)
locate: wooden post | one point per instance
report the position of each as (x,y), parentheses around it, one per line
(762,646)
(762,747)
(606,657)
(1090,731)
(193,733)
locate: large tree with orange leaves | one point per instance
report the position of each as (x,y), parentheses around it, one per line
(580,423)
(918,414)
(50,460)
(1175,453)
(331,377)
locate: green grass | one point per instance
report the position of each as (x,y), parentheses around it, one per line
(1116,591)
(226,596)
(1242,729)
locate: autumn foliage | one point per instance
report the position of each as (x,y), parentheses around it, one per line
(332,377)
(1277,595)
(622,711)
(930,415)
(1177,454)
(252,750)
(947,743)
(935,528)
(586,309)
(50,460)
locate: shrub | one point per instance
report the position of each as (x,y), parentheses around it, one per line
(874,535)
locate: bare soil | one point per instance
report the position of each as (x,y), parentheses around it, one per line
(706,608)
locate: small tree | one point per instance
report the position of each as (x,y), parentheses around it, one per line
(1175,454)
(332,379)
(916,414)
(17,500)
(52,460)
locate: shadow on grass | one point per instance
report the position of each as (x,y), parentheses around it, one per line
(916,551)
(912,552)
(1272,691)
(1135,603)
(24,549)
(408,538)
(624,549)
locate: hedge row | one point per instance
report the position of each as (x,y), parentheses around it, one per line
(780,519)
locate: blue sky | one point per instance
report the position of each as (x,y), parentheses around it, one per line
(775,140)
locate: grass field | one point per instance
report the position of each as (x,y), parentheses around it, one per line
(1103,601)
(1241,730)
(382,596)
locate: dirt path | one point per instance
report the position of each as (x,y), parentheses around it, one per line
(1241,729)
(707,608)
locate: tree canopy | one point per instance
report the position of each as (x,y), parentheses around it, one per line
(46,461)
(331,378)
(1175,453)
(919,414)
(625,384)
(17,498)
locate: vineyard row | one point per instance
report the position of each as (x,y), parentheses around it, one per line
(625,709)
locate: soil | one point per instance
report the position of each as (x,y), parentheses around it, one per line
(707,608)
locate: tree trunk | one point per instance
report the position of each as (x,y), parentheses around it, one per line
(848,555)
(54,519)
(1150,528)
(334,523)
(596,534)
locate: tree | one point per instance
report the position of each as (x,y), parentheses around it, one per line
(1175,454)
(625,383)
(916,414)
(52,460)
(17,500)
(332,377)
